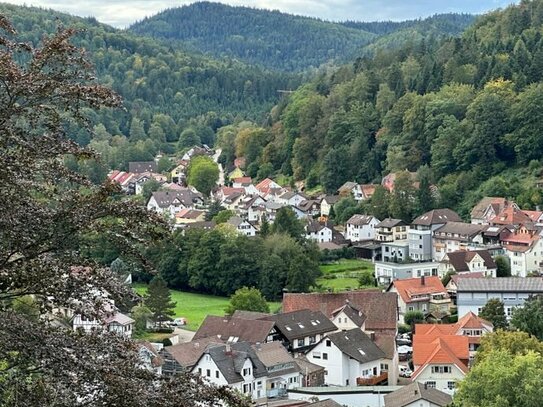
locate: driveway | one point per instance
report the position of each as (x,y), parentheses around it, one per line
(184,335)
(216,156)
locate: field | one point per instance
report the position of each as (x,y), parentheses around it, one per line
(345,274)
(195,307)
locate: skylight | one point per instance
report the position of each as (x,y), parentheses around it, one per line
(301,326)
(362,352)
(288,328)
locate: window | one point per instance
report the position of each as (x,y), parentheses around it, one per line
(246,371)
(328,342)
(384,367)
(346,382)
(410,308)
(200,370)
(451,385)
(441,369)
(208,373)
(217,374)
(431,384)
(316,355)
(301,342)
(325,356)
(312,339)
(247,388)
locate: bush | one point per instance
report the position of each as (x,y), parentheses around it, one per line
(162,330)
(167,342)
(403,328)
(413,317)
(366,279)
(329,276)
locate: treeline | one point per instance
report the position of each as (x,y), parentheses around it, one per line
(220,261)
(269,38)
(467,109)
(165,90)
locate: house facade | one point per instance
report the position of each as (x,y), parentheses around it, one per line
(386,272)
(391,230)
(468,261)
(455,236)
(361,227)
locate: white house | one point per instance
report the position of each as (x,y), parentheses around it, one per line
(327,203)
(386,272)
(349,317)
(236,366)
(321,233)
(469,261)
(117,322)
(524,248)
(455,236)
(171,201)
(361,227)
(349,357)
(242,226)
(291,198)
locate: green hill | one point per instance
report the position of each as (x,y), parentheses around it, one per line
(457,111)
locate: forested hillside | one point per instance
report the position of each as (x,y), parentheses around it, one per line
(283,41)
(165,91)
(468,111)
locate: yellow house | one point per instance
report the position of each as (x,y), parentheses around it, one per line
(237,173)
(178,173)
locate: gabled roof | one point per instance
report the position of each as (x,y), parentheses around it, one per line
(289,195)
(497,203)
(188,353)
(228,329)
(390,223)
(227,191)
(415,391)
(360,220)
(243,180)
(502,284)
(272,354)
(464,230)
(236,221)
(307,204)
(248,314)
(306,366)
(265,185)
(142,166)
(302,323)
(511,216)
(331,199)
(347,187)
(206,225)
(357,345)
(230,361)
(472,321)
(459,260)
(476,274)
(120,319)
(437,217)
(368,189)
(380,308)
(444,349)
(313,226)
(409,288)
(352,313)
(189,214)
(166,198)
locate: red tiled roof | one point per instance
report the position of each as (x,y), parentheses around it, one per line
(227,191)
(380,308)
(243,180)
(264,185)
(414,286)
(472,321)
(432,349)
(534,215)
(511,216)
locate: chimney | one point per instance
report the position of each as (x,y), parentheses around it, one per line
(227,349)
(372,336)
(258,347)
(422,282)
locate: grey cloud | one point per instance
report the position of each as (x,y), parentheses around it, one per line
(121,13)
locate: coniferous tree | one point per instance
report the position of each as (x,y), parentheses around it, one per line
(159,300)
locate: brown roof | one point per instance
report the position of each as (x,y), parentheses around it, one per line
(476,274)
(272,354)
(325,403)
(511,216)
(380,308)
(479,210)
(462,229)
(249,314)
(410,288)
(436,217)
(387,343)
(413,392)
(188,353)
(459,260)
(228,329)
(306,366)
(360,220)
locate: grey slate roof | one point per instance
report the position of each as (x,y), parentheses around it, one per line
(460,228)
(347,187)
(188,353)
(273,354)
(390,223)
(360,219)
(505,284)
(165,198)
(331,199)
(248,314)
(436,217)
(353,313)
(302,323)
(138,167)
(357,345)
(230,363)
(414,392)
(459,260)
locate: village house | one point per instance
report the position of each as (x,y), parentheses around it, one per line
(170,202)
(291,198)
(223,192)
(512,215)
(455,236)
(474,293)
(395,252)
(488,208)
(232,330)
(249,208)
(417,395)
(183,356)
(440,361)
(312,374)
(380,308)
(391,230)
(425,294)
(386,272)
(150,357)
(361,227)
(524,248)
(139,167)
(264,186)
(245,183)
(320,233)
(452,285)
(468,261)
(350,358)
(179,173)
(327,204)
(116,322)
(282,370)
(309,208)
(421,231)
(242,226)
(300,330)
(186,216)
(348,317)
(236,366)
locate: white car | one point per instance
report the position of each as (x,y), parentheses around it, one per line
(405,371)
(179,322)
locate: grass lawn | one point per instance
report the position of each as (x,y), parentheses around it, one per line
(195,307)
(347,265)
(338,284)
(153,336)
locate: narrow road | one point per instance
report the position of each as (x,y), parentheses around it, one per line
(216,156)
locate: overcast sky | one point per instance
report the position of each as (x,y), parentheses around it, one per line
(121,13)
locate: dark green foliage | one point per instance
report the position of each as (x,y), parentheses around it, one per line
(493,312)
(366,279)
(413,317)
(203,174)
(223,216)
(159,301)
(286,222)
(247,299)
(529,318)
(504,269)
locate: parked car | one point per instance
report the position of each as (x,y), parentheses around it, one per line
(405,371)
(178,322)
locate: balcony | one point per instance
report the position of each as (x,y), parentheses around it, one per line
(277,392)
(372,380)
